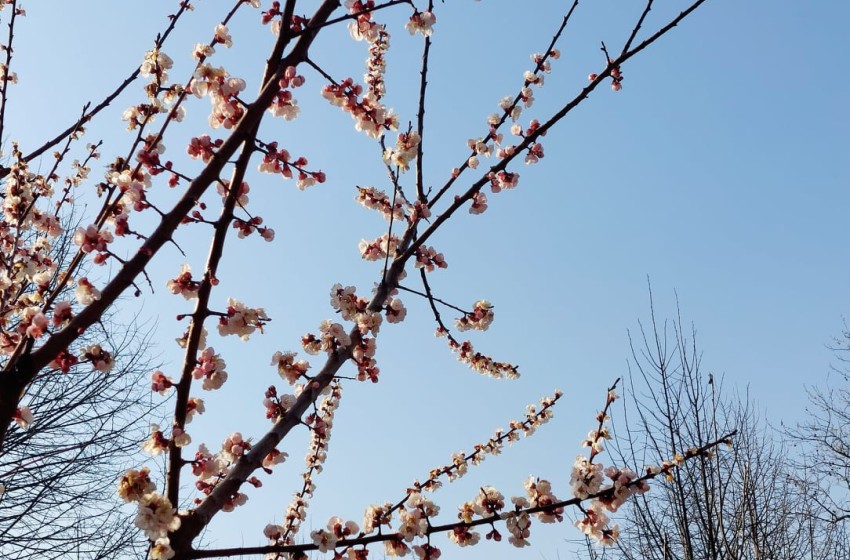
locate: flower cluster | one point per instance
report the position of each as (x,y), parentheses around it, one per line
(281,162)
(331,336)
(241,320)
(203,147)
(353,308)
(156,516)
(461,461)
(156,64)
(616,78)
(194,406)
(479,319)
(337,530)
(276,405)
(503,180)
(421,22)
(375,63)
(134,484)
(363,27)
(156,443)
(380,248)
(369,114)
(86,292)
(223,91)
(396,312)
(479,203)
(211,469)
(63,361)
(100,359)
(484,365)
(284,104)
(320,425)
(288,368)
(429,259)
(376,199)
(406,148)
(23,417)
(93,239)
(210,368)
(183,283)
(363,354)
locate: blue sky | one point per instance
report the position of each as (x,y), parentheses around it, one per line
(720,173)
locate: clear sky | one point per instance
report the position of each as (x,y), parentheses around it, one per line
(719,172)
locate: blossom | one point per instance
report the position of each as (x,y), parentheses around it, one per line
(86,292)
(288,368)
(342,529)
(156,64)
(205,466)
(100,359)
(234,446)
(479,203)
(405,150)
(160,383)
(376,199)
(479,319)
(362,28)
(134,484)
(202,51)
(518,526)
(241,320)
(368,321)
(156,516)
(155,444)
(379,248)
(586,477)
(210,368)
(462,536)
(429,259)
(23,417)
(503,180)
(203,147)
(395,548)
(540,495)
(427,552)
(369,114)
(421,22)
(222,35)
(489,501)
(161,550)
(92,238)
(324,540)
(194,406)
(595,525)
(274,457)
(346,301)
(375,516)
(180,437)
(35,322)
(396,312)
(183,283)
(333,334)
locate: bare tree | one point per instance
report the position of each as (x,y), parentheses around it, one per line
(44,332)
(825,436)
(745,504)
(59,472)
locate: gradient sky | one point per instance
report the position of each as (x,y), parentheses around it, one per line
(719,173)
